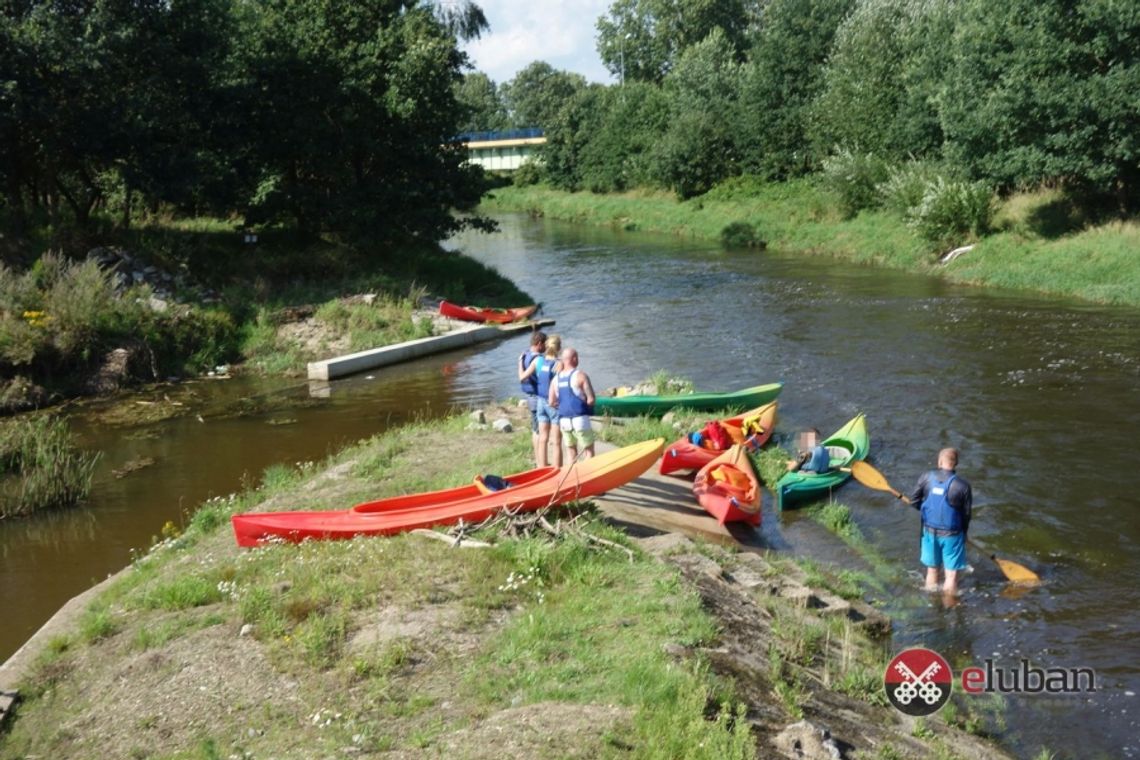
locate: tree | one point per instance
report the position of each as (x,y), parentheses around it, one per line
(781,80)
(535,95)
(1046,91)
(642,40)
(479,96)
(699,148)
(883,79)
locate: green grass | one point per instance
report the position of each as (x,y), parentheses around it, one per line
(40,466)
(1041,244)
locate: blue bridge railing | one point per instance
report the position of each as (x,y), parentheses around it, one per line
(502,134)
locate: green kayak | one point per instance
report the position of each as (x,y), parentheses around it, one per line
(633,406)
(849,444)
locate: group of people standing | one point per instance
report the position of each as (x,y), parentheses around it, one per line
(560,398)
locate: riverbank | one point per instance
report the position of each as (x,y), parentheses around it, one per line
(535,646)
(1035,247)
(184,297)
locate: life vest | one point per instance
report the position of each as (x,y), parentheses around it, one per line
(545,374)
(715,437)
(936,510)
(819,460)
(570,404)
(530,385)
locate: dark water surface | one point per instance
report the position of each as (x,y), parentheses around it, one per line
(1042,396)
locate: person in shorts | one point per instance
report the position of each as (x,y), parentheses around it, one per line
(573,396)
(546,369)
(945,501)
(528,382)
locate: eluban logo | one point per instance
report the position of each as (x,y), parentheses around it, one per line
(918,681)
(1026,679)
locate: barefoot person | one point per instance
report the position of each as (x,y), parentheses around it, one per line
(546,368)
(528,382)
(945,501)
(573,395)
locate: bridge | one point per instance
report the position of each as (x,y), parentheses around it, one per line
(504,150)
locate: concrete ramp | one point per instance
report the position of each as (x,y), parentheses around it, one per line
(349,364)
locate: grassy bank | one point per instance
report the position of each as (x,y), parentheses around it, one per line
(1034,248)
(534,647)
(191,295)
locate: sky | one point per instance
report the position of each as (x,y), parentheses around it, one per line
(523,31)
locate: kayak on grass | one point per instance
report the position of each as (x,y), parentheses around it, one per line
(683,454)
(484,314)
(547,486)
(728,489)
(632,406)
(848,444)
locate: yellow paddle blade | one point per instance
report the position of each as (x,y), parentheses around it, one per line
(870,477)
(1017,573)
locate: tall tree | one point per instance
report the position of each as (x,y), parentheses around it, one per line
(1046,90)
(642,40)
(483,107)
(781,80)
(883,78)
(536,93)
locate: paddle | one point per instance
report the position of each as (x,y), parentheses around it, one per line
(872,478)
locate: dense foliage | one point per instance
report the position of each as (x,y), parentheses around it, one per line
(326,117)
(983,96)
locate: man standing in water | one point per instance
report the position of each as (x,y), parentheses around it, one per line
(573,395)
(945,502)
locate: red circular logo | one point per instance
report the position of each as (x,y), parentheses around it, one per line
(918,681)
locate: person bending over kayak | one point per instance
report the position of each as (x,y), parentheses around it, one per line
(812,456)
(945,501)
(545,369)
(528,383)
(573,395)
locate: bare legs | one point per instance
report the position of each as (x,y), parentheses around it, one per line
(949,587)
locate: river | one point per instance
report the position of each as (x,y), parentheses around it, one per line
(1042,397)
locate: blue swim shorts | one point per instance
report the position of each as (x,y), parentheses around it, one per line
(546,413)
(944,551)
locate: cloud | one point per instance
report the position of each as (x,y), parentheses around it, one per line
(522,31)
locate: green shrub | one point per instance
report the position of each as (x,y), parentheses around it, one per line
(530,173)
(906,185)
(951,211)
(854,178)
(740,235)
(40,466)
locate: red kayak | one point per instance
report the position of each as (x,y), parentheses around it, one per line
(728,489)
(686,455)
(481,314)
(546,486)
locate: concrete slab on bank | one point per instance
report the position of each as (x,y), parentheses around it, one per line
(342,366)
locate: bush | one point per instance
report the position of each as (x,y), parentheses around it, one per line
(40,466)
(854,178)
(906,185)
(530,173)
(951,211)
(740,235)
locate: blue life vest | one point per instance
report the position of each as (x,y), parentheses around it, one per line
(819,460)
(570,404)
(530,385)
(545,374)
(936,510)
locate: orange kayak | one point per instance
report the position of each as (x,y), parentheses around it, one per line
(685,455)
(482,314)
(539,488)
(728,489)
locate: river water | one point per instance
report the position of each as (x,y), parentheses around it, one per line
(1041,396)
